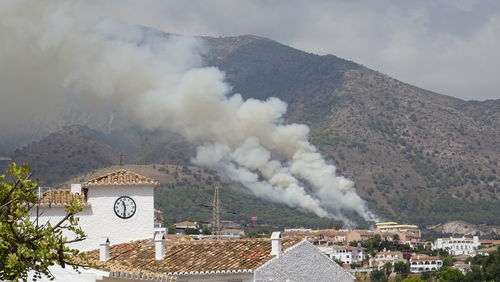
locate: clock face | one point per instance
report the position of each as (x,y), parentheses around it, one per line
(124,207)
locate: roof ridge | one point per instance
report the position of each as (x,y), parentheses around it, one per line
(120,177)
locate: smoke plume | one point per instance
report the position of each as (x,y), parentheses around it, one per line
(52,50)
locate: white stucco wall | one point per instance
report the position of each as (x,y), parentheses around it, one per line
(458,246)
(98,220)
(68,274)
(301,263)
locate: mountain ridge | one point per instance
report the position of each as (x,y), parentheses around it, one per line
(415,155)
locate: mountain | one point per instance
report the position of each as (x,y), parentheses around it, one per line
(415,155)
(65,153)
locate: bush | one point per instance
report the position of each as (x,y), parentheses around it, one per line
(378,276)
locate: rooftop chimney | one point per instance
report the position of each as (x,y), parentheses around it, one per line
(76,188)
(159,246)
(276,244)
(104,250)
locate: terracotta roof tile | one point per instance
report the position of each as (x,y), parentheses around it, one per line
(190,256)
(424,257)
(60,197)
(121,177)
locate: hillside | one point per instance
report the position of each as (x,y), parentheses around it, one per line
(415,156)
(65,153)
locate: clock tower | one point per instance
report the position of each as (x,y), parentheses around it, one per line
(118,206)
(121,208)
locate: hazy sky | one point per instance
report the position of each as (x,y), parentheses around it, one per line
(448,46)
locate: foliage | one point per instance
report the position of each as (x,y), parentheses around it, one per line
(26,245)
(440,208)
(378,276)
(450,275)
(447,262)
(491,266)
(402,267)
(426,275)
(475,274)
(256,232)
(412,279)
(388,268)
(354,265)
(192,231)
(183,203)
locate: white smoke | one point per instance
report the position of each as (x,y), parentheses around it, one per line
(54,48)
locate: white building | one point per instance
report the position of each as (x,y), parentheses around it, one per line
(232,233)
(345,254)
(458,246)
(381,258)
(422,263)
(118,205)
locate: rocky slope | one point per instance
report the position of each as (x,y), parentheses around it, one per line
(465,228)
(415,155)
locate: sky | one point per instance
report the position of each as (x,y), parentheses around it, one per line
(447,46)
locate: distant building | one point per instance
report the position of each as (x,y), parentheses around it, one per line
(458,246)
(422,263)
(346,254)
(486,251)
(180,227)
(229,224)
(396,227)
(232,233)
(463,267)
(490,242)
(384,257)
(359,235)
(309,230)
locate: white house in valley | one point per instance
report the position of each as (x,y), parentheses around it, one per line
(458,246)
(422,263)
(345,254)
(118,218)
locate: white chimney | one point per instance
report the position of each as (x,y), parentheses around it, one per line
(76,188)
(276,244)
(159,246)
(104,250)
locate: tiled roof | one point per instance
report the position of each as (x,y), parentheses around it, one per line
(185,223)
(348,248)
(195,257)
(121,177)
(60,197)
(424,257)
(487,250)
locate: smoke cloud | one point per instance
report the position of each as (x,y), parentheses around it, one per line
(53,50)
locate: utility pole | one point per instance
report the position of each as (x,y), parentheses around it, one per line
(216,228)
(121,159)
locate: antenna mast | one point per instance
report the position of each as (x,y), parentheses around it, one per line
(216,228)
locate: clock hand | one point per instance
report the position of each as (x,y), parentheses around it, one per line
(124,208)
